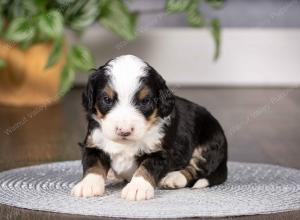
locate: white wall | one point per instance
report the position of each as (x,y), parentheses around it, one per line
(250,57)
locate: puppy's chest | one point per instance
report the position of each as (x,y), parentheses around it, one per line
(124,165)
(123,156)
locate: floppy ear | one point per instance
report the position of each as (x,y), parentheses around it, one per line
(88,97)
(166,99)
(89,94)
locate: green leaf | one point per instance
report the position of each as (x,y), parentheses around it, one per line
(81,58)
(216,33)
(116,17)
(15,9)
(64,3)
(66,80)
(1,23)
(50,25)
(173,6)
(194,18)
(20,30)
(85,16)
(41,4)
(215,3)
(73,8)
(30,7)
(55,52)
(2,64)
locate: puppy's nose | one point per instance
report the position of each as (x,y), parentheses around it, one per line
(124,132)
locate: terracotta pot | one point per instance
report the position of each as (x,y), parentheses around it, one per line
(24,81)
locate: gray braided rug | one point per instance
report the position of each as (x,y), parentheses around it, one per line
(250,189)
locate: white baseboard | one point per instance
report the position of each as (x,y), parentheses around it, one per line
(184,56)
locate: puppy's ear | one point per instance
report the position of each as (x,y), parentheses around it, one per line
(166,99)
(89,94)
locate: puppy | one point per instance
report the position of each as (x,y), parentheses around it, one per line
(146,135)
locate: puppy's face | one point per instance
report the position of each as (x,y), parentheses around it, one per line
(127,97)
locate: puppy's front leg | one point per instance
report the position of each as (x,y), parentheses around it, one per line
(142,185)
(95,167)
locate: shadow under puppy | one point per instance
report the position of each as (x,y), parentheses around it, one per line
(146,135)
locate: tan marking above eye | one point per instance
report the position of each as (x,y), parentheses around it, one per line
(109,91)
(143,93)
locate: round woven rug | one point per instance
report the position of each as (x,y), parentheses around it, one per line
(250,189)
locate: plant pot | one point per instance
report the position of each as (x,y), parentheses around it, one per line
(24,81)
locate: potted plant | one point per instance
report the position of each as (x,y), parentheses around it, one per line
(38,66)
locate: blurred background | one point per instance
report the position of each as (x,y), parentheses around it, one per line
(238,58)
(259,43)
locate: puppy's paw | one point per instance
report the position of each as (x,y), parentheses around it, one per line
(138,189)
(201,183)
(91,185)
(173,180)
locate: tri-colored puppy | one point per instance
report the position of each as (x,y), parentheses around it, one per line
(146,134)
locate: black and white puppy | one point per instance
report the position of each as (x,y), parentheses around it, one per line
(146,135)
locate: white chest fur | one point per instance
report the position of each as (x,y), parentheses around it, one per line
(123,156)
(124,164)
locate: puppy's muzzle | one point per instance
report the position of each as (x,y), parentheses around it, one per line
(124,132)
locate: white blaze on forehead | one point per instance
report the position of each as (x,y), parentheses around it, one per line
(125,72)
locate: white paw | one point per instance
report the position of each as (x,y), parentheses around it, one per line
(91,185)
(201,183)
(138,189)
(173,180)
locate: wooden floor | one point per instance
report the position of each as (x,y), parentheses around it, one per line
(262,125)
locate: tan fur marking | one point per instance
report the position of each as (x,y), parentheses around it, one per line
(152,118)
(142,171)
(190,172)
(197,157)
(143,92)
(198,153)
(99,115)
(109,91)
(98,168)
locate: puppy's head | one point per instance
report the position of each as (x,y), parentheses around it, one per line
(127,97)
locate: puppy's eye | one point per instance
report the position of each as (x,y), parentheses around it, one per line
(107,100)
(145,101)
